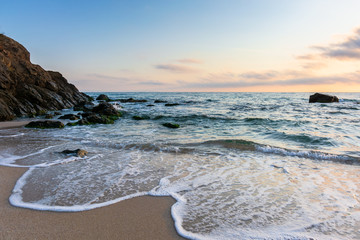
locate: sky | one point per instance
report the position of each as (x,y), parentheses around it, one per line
(192,45)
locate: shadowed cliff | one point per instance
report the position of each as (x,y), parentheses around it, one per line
(26,88)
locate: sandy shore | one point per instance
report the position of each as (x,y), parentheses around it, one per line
(138,218)
(13,124)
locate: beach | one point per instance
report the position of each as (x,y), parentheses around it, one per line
(138,218)
(240,166)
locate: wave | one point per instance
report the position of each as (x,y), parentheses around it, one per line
(194,117)
(245,145)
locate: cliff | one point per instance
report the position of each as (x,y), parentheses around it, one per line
(26,88)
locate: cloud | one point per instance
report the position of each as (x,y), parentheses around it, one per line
(106,79)
(348,49)
(314,65)
(190,61)
(307,57)
(154,83)
(286,78)
(259,75)
(175,68)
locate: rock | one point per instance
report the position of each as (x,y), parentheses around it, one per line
(132,100)
(150,105)
(144,117)
(171,125)
(106,109)
(160,101)
(26,88)
(57,113)
(45,124)
(77,152)
(103,97)
(70,117)
(93,118)
(171,104)
(49,116)
(84,106)
(322,98)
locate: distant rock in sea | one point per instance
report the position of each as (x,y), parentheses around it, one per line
(322,98)
(27,89)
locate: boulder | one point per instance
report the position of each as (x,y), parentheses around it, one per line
(171,125)
(160,101)
(93,118)
(45,124)
(106,109)
(84,106)
(49,116)
(131,100)
(322,98)
(77,152)
(144,117)
(103,97)
(26,88)
(70,117)
(171,104)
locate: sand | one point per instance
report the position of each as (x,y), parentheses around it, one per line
(138,218)
(13,124)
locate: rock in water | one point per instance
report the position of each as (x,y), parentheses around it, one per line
(103,97)
(171,125)
(77,152)
(45,124)
(26,88)
(322,98)
(106,109)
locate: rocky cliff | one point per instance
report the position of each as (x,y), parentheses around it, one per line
(26,88)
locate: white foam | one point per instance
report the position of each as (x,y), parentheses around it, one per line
(9,160)
(12,136)
(17,200)
(303,154)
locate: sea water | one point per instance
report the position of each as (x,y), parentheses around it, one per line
(241,165)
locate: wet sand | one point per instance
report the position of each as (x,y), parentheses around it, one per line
(138,218)
(12,124)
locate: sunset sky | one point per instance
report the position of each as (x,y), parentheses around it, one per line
(192,45)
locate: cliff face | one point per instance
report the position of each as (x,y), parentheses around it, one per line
(26,88)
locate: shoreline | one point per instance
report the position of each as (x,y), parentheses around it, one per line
(143,217)
(13,124)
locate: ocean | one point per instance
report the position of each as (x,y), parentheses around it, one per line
(240,166)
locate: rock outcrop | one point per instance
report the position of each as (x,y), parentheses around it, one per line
(45,124)
(322,98)
(26,88)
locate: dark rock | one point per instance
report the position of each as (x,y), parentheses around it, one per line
(106,109)
(103,97)
(26,88)
(144,117)
(70,117)
(57,113)
(322,98)
(131,100)
(160,101)
(84,106)
(49,116)
(77,152)
(150,105)
(93,118)
(45,124)
(171,104)
(171,125)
